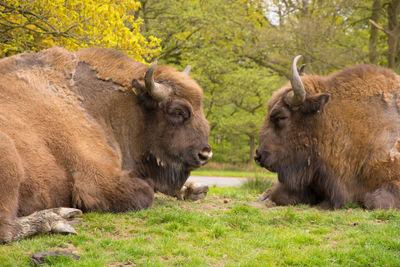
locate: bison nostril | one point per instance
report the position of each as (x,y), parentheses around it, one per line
(202,157)
(205,156)
(207,148)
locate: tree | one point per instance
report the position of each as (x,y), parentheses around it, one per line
(373,37)
(31,25)
(210,36)
(321,31)
(241,50)
(246,93)
(392,30)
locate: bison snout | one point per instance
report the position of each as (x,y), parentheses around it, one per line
(258,158)
(195,158)
(264,159)
(205,155)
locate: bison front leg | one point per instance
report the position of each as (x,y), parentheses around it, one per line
(55,220)
(115,194)
(192,191)
(281,195)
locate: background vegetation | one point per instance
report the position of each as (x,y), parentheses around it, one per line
(240,50)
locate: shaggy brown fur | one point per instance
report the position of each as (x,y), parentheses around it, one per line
(341,145)
(74,134)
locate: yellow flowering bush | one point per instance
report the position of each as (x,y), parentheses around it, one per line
(31,25)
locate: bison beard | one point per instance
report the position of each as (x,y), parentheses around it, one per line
(168,178)
(347,150)
(79,129)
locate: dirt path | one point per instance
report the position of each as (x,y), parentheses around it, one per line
(218,181)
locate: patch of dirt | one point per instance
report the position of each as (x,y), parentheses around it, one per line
(120,264)
(215,203)
(123,233)
(262,205)
(209,203)
(163,197)
(70,248)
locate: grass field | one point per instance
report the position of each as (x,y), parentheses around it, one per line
(228,228)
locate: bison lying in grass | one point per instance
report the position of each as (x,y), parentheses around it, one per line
(334,139)
(96,131)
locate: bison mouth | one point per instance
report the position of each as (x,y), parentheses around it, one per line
(262,160)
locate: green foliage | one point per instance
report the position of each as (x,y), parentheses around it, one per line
(211,36)
(241,51)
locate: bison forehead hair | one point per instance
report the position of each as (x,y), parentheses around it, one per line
(111,64)
(327,137)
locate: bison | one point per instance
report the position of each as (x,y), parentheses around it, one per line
(93,130)
(334,139)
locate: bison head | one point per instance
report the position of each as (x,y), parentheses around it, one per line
(287,142)
(176,131)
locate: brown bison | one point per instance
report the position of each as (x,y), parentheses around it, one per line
(334,139)
(93,130)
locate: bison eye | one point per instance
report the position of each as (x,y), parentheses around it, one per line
(178,112)
(279,120)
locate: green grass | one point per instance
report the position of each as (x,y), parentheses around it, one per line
(257,185)
(228,228)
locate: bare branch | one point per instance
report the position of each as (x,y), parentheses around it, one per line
(376,25)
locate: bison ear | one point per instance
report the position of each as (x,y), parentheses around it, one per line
(144,99)
(186,71)
(302,69)
(315,103)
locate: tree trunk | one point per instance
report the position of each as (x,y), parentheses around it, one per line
(252,148)
(393,11)
(393,33)
(373,36)
(143,15)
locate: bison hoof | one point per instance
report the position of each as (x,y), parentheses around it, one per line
(55,220)
(265,197)
(63,225)
(193,191)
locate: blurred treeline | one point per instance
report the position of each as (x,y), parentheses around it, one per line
(239,50)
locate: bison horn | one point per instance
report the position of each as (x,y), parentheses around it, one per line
(298,95)
(187,70)
(156,90)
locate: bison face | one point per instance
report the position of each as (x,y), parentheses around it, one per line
(176,135)
(272,148)
(287,143)
(185,133)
